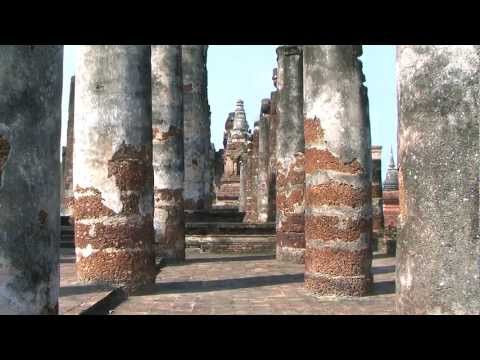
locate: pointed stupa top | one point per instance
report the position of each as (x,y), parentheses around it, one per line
(240,120)
(391,179)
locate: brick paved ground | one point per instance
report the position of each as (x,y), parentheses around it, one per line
(75,297)
(257,284)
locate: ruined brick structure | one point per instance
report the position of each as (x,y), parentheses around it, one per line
(236,145)
(290,177)
(196,127)
(378,242)
(338,214)
(67,161)
(30,123)
(391,207)
(438,248)
(112,168)
(168,154)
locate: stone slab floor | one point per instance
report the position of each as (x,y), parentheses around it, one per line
(217,284)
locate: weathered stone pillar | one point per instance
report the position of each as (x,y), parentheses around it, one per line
(251,206)
(438,249)
(243,179)
(196,118)
(112,168)
(67,200)
(338,214)
(378,242)
(262,177)
(290,184)
(30,123)
(168,155)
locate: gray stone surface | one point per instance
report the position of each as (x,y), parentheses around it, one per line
(196,126)
(438,248)
(168,153)
(67,194)
(30,123)
(290,147)
(262,171)
(112,172)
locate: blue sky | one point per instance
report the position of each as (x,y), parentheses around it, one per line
(245,72)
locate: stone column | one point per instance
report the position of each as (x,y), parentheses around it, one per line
(112,168)
(168,168)
(262,177)
(290,184)
(30,123)
(243,179)
(338,210)
(438,252)
(378,242)
(196,138)
(67,200)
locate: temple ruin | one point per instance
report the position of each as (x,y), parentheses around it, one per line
(141,202)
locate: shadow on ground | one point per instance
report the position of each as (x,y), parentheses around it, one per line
(80,289)
(227,284)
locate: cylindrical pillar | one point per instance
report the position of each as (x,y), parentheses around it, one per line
(242,199)
(378,242)
(262,172)
(196,120)
(67,200)
(30,125)
(168,168)
(290,184)
(438,248)
(112,168)
(338,213)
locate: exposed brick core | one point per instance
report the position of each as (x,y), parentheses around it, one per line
(329,228)
(316,160)
(338,262)
(313,131)
(336,194)
(130,166)
(339,286)
(128,235)
(90,206)
(286,203)
(124,266)
(172,132)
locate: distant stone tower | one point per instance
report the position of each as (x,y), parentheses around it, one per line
(236,141)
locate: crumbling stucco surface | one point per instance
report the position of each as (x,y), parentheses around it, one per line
(30,122)
(438,247)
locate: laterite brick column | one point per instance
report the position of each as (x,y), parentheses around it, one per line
(438,248)
(112,168)
(168,168)
(378,241)
(290,183)
(67,201)
(338,210)
(196,119)
(30,123)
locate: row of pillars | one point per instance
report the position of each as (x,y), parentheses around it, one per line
(438,263)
